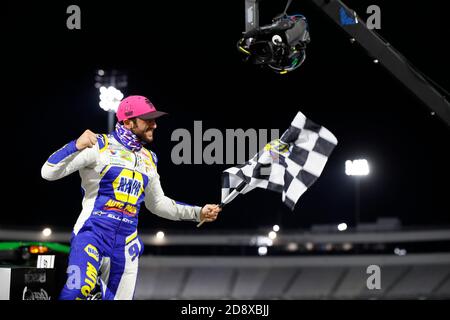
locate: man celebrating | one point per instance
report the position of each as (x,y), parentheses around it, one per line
(117,174)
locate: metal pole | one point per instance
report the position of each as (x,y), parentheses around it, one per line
(390,58)
(357,200)
(111,115)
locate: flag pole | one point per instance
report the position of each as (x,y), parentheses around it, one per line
(228,198)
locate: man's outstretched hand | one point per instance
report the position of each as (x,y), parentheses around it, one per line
(209,212)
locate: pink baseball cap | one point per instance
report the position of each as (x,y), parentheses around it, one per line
(137,107)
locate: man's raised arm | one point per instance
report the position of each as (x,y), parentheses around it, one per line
(73,156)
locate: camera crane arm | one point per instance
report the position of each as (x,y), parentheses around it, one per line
(431,94)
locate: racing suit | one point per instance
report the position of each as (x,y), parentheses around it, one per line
(115,181)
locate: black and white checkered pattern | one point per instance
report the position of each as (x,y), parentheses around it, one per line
(289,165)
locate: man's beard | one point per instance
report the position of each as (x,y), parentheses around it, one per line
(142,138)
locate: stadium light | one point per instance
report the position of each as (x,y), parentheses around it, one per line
(47,232)
(110,83)
(262,251)
(400,252)
(110,98)
(342,226)
(276,228)
(109,101)
(359,167)
(347,246)
(261,241)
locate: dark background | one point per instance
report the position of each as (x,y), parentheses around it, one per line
(182,55)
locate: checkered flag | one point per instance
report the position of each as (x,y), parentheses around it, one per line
(289,165)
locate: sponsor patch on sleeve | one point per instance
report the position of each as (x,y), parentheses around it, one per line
(92,252)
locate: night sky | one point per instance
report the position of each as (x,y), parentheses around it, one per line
(182,56)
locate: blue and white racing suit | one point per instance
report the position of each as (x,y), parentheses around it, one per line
(115,181)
